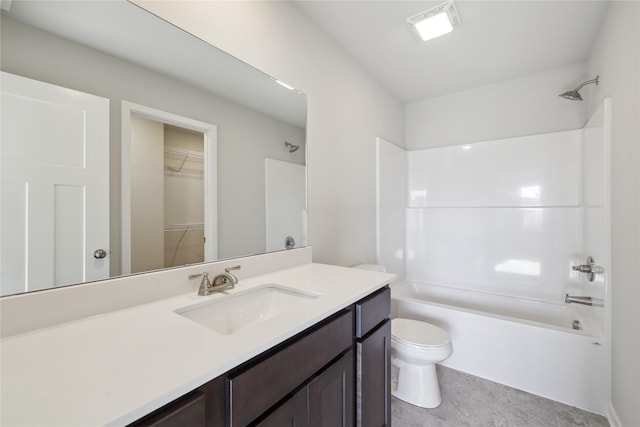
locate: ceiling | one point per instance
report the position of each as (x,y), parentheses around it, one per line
(498,40)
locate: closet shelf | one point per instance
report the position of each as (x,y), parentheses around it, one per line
(184,155)
(184,227)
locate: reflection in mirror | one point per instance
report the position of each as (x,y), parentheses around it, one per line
(85,197)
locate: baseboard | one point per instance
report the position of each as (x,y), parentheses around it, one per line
(612,416)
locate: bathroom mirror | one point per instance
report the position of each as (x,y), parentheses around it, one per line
(78,78)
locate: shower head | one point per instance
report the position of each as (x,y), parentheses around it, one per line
(292,147)
(574,95)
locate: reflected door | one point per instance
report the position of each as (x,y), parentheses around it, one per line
(157,155)
(167,195)
(55,186)
(286,212)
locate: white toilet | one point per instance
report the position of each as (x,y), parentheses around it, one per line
(416,347)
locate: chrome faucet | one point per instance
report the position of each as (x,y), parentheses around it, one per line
(578,300)
(583,300)
(221,282)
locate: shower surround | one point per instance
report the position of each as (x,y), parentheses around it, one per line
(497,224)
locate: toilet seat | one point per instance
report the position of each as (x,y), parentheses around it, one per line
(418,334)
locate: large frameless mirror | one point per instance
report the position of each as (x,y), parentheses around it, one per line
(128,145)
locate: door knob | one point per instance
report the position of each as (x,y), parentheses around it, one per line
(99,254)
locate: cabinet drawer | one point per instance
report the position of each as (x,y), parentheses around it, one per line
(256,389)
(372,310)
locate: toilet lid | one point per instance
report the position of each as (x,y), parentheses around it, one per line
(418,333)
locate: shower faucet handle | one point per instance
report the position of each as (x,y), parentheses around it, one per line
(589,268)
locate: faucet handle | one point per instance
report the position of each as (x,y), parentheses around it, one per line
(205,283)
(233,277)
(590,268)
(205,276)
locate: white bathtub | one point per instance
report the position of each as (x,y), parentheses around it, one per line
(522,343)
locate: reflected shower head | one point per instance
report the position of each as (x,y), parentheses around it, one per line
(574,95)
(292,147)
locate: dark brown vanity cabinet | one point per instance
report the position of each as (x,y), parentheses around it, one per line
(334,374)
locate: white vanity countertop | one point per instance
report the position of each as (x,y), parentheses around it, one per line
(114,368)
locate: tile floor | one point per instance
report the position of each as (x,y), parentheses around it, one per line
(469,401)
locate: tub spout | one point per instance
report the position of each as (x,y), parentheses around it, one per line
(582,300)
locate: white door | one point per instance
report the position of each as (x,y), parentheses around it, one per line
(54,162)
(286,211)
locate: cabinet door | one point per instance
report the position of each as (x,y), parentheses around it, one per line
(373,378)
(187,411)
(215,402)
(292,413)
(331,395)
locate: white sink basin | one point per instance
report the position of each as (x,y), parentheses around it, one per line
(234,313)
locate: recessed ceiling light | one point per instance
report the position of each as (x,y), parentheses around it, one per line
(436,21)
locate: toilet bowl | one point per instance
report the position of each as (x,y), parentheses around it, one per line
(416,347)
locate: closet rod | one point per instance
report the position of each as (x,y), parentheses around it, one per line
(181,152)
(186,155)
(182,227)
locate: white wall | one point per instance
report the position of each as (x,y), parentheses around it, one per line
(241,198)
(501,110)
(596,176)
(391,177)
(615,57)
(502,217)
(286,204)
(347,109)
